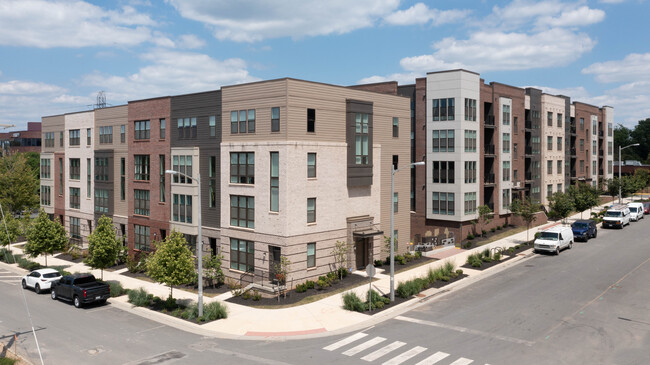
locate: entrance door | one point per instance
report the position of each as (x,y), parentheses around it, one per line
(274,260)
(362,252)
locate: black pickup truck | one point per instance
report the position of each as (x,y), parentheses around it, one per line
(80,289)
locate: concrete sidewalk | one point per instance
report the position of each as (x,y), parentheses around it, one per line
(324,317)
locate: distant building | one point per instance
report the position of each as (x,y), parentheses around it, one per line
(21,141)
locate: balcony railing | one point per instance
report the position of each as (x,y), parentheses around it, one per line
(601,133)
(572,129)
(573,152)
(491,206)
(601,172)
(489,149)
(573,173)
(529,175)
(528,150)
(489,178)
(529,124)
(489,120)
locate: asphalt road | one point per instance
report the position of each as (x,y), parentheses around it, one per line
(589,305)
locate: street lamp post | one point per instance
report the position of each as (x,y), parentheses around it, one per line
(620,165)
(392,228)
(199,240)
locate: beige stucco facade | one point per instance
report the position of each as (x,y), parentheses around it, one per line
(554,107)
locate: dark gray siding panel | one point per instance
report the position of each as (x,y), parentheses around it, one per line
(358,175)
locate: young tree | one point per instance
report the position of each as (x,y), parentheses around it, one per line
(613,186)
(560,206)
(584,196)
(212,269)
(484,216)
(282,269)
(45,236)
(103,246)
(14,228)
(18,185)
(526,209)
(172,262)
(340,252)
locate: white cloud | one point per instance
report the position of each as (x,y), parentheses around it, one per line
(190,41)
(611,1)
(401,78)
(634,66)
(250,20)
(422,14)
(17,87)
(544,14)
(575,17)
(47,24)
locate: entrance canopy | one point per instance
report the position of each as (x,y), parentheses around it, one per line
(367,233)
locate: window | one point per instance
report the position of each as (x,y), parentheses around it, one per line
(443,140)
(311,210)
(75,231)
(242,167)
(549,118)
(122,133)
(311,255)
(470,203)
(514,125)
(142,129)
(212,123)
(141,237)
(242,255)
(506,171)
(163,126)
(74,198)
(88,136)
(395,202)
(275,181)
(48,138)
(443,203)
(61,139)
(505,198)
(101,201)
(549,143)
(311,120)
(470,172)
(582,166)
(514,150)
(559,119)
(142,167)
(609,148)
(361,139)
(88,177)
(395,127)
(594,127)
(182,208)
(594,148)
(45,168)
(559,167)
(275,119)
(549,167)
(161,163)
(242,211)
(141,200)
(506,143)
(45,195)
(609,167)
(559,188)
(593,168)
(610,129)
(443,172)
(443,109)
(549,190)
(186,128)
(311,165)
(101,169)
(234,124)
(242,121)
(470,141)
(75,169)
(60,176)
(582,145)
(74,136)
(395,162)
(105,135)
(212,175)
(470,109)
(182,164)
(582,124)
(122,178)
(506,114)
(559,143)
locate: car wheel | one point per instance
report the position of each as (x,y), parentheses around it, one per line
(24,283)
(557,250)
(53,294)
(570,244)
(37,289)
(595,234)
(77,302)
(102,302)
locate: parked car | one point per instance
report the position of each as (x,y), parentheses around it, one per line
(646,208)
(40,279)
(80,289)
(554,239)
(584,229)
(636,211)
(617,216)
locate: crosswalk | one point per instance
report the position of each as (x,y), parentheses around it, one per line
(380,349)
(9,277)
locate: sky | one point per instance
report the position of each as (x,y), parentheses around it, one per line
(56,56)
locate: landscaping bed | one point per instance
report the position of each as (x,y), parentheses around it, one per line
(210,291)
(488,258)
(178,308)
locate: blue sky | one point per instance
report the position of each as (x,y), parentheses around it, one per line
(56,55)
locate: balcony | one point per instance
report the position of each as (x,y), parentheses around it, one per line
(573,174)
(601,172)
(529,176)
(529,124)
(572,152)
(489,179)
(489,121)
(489,150)
(528,150)
(601,134)
(572,129)
(491,206)
(601,153)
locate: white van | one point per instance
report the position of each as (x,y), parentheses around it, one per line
(617,216)
(554,239)
(636,211)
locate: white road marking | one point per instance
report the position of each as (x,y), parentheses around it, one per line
(345,341)
(462,361)
(383,351)
(405,356)
(466,330)
(366,345)
(433,358)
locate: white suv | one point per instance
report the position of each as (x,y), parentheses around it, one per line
(617,216)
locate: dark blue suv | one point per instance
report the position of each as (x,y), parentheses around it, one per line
(584,229)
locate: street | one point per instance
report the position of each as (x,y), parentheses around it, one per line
(589,305)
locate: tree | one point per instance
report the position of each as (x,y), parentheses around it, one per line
(644,177)
(641,135)
(526,209)
(622,137)
(282,269)
(172,262)
(14,228)
(340,252)
(103,246)
(45,236)
(612,187)
(34,163)
(18,185)
(560,205)
(484,217)
(212,269)
(584,196)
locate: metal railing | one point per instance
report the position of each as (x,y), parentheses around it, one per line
(489,178)
(489,149)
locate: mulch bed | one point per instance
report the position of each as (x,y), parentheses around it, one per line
(399,268)
(207,290)
(505,256)
(68,257)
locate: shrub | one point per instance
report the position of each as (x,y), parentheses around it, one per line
(310,284)
(483,232)
(191,312)
(511,250)
(448,268)
(497,256)
(301,288)
(492,229)
(517,247)
(341,272)
(411,287)
(537,234)
(376,299)
(352,302)
(408,257)
(379,263)
(215,310)
(116,288)
(247,295)
(140,297)
(459,272)
(418,254)
(467,245)
(486,253)
(256,296)
(474,260)
(322,284)
(445,278)
(470,236)
(62,271)
(499,228)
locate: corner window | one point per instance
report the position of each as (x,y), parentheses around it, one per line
(242,167)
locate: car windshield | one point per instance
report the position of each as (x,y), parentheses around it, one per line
(51,275)
(633,209)
(580,225)
(549,236)
(612,214)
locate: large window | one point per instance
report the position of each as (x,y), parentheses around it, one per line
(182,164)
(48,138)
(161,164)
(141,201)
(105,135)
(442,203)
(559,119)
(141,237)
(275,182)
(395,127)
(122,178)
(559,167)
(470,109)
(242,167)
(242,121)
(142,129)
(559,143)
(311,255)
(75,136)
(275,119)
(609,148)
(549,167)
(101,169)
(470,140)
(594,148)
(163,128)
(311,164)
(60,176)
(361,139)
(506,171)
(311,120)
(182,208)
(122,133)
(470,203)
(549,143)
(45,168)
(470,172)
(74,198)
(101,200)
(212,175)
(443,140)
(505,198)
(186,128)
(46,198)
(506,142)
(443,172)
(582,123)
(242,255)
(75,228)
(242,211)
(443,109)
(506,114)
(61,139)
(212,124)
(311,210)
(75,169)
(142,167)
